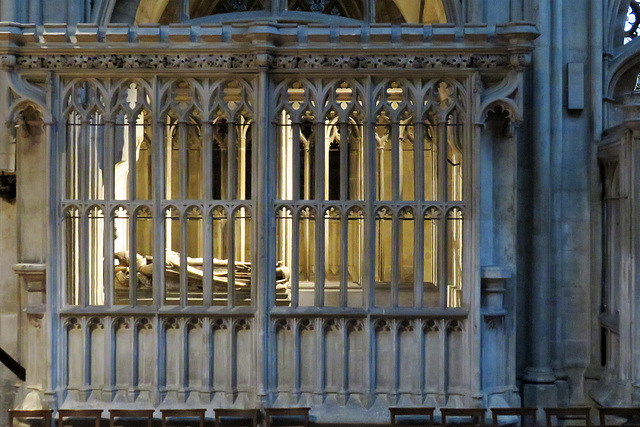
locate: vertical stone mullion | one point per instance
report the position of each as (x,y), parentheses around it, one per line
(183,256)
(421,337)
(418,217)
(395,257)
(295,258)
(443,256)
(297,359)
(83,160)
(442,249)
(162,357)
(263,152)
(107,388)
(207,228)
(231,366)
(231,274)
(182,160)
(83,297)
(368,151)
(442,362)
(344,258)
(344,161)
(86,368)
(135,358)
(207,253)
(133,257)
(133,351)
(108,172)
(207,159)
(344,384)
(232,150)
(297,164)
(320,206)
(205,371)
(184,356)
(131,178)
(321,357)
(159,153)
(395,157)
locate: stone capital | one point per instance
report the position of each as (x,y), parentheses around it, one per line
(538,375)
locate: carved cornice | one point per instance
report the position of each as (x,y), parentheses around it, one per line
(275,62)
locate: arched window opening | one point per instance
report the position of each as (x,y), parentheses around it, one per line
(454,257)
(132,156)
(173,262)
(72,243)
(386,11)
(332,257)
(632,22)
(95,255)
(240,269)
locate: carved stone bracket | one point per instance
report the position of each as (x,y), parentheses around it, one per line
(493,287)
(33,280)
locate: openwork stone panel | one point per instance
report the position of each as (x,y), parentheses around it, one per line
(370,195)
(308,248)
(157,179)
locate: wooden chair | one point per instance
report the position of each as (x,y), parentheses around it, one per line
(572,413)
(45,414)
(514,412)
(618,412)
(298,416)
(238,414)
(130,413)
(182,413)
(411,412)
(95,414)
(476,414)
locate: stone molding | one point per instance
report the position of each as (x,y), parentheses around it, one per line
(274,62)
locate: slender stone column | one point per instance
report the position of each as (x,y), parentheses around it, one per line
(8,11)
(557,189)
(539,387)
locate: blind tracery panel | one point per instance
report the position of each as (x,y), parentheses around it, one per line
(358,152)
(157,209)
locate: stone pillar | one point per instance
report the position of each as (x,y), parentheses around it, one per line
(539,388)
(631,109)
(8,11)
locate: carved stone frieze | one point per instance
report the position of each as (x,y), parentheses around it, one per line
(276,62)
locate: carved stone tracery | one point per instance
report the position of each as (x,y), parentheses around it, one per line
(276,62)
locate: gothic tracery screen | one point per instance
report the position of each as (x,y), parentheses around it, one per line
(158,208)
(368,207)
(370,172)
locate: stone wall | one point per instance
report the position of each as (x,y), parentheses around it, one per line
(9,305)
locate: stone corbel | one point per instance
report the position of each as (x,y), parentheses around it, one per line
(33,281)
(493,279)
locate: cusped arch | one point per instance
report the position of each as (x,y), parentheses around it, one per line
(504,107)
(28,111)
(29,95)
